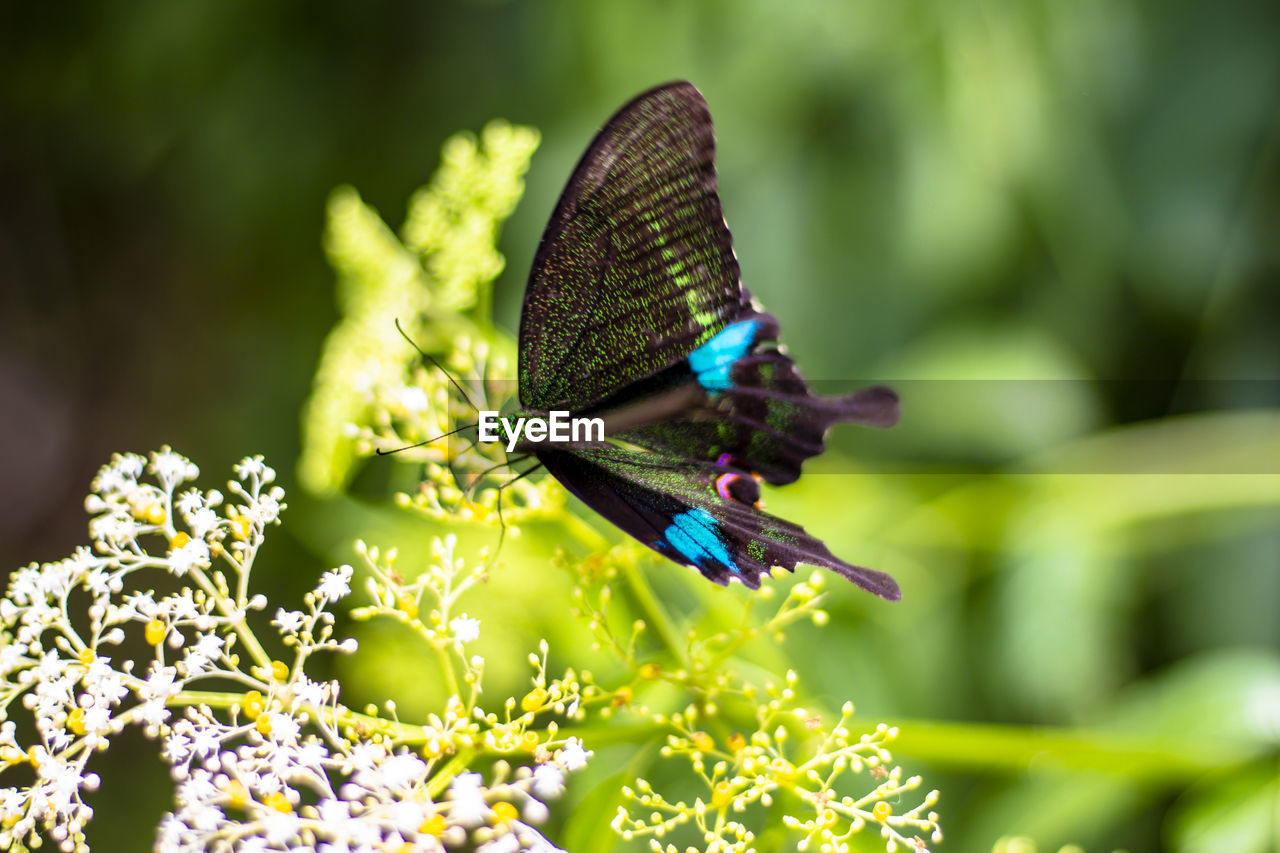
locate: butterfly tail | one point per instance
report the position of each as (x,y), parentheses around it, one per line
(874,582)
(876,406)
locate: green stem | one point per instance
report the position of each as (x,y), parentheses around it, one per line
(446,663)
(1119,753)
(654,614)
(344,716)
(440,780)
(241,628)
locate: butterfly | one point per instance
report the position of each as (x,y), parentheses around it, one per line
(635,313)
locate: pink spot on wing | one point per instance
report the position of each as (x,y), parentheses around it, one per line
(722,485)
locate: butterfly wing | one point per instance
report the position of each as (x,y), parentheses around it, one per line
(765,419)
(636,268)
(634,298)
(698,514)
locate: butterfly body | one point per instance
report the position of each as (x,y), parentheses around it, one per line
(635,314)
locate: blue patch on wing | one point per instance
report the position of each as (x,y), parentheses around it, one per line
(693,534)
(714,360)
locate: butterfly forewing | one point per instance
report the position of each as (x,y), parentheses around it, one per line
(636,268)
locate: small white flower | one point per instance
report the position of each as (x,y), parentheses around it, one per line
(288,621)
(465,628)
(266,510)
(335,584)
(170,468)
(190,501)
(140,604)
(572,756)
(333,811)
(195,553)
(177,748)
(202,521)
(161,683)
(153,712)
(284,728)
(206,649)
(467,806)
(311,693)
(114,529)
(98,581)
(548,781)
(206,738)
(249,467)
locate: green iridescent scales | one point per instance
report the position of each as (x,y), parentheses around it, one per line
(636,268)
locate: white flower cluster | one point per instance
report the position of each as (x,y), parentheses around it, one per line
(278,764)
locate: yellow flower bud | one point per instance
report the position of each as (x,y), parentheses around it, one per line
(154,632)
(253,704)
(151,512)
(278,801)
(240,526)
(504,813)
(75,721)
(434,826)
(407,605)
(703,742)
(237,795)
(533,700)
(722,795)
(279,670)
(882,811)
(179,539)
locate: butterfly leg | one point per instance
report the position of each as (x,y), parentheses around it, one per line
(502,524)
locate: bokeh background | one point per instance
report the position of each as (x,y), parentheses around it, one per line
(1054,226)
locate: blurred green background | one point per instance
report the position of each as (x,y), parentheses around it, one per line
(1055,226)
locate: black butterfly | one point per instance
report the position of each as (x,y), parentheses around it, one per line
(635,313)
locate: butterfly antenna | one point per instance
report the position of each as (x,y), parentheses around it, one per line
(437,364)
(380,452)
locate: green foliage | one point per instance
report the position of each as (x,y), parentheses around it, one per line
(443,269)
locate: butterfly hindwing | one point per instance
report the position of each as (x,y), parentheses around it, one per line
(636,268)
(768,420)
(698,514)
